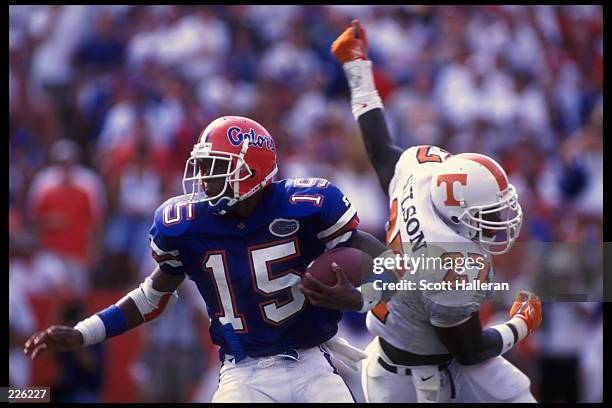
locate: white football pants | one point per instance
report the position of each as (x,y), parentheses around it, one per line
(312,378)
(494,380)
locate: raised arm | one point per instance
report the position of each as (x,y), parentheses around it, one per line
(143,304)
(350,49)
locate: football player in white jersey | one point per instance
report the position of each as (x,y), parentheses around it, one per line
(429,344)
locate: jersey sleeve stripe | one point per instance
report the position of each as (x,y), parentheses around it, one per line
(172,263)
(157,311)
(351,225)
(332,244)
(163,258)
(345,219)
(160,252)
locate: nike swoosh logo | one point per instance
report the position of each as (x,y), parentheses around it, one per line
(426,378)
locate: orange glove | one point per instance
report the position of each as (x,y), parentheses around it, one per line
(528,307)
(351,45)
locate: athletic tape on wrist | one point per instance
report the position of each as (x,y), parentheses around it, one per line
(506,335)
(92,329)
(369,295)
(511,332)
(364,96)
(105,324)
(521,327)
(384,278)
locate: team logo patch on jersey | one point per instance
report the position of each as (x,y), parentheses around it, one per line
(282,227)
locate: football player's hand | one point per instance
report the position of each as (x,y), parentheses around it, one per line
(528,307)
(55,338)
(351,45)
(342,296)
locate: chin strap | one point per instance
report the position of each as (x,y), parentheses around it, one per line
(243,150)
(223,205)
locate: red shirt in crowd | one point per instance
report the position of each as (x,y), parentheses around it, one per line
(66,213)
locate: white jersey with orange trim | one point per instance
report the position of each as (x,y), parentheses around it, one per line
(437,255)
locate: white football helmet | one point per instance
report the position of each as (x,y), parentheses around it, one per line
(471,193)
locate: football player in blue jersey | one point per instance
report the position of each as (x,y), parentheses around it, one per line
(246,241)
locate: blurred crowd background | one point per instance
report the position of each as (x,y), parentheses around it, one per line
(106,102)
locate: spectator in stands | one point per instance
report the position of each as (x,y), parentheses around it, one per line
(67,202)
(138,192)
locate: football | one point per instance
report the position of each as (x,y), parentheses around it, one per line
(355,263)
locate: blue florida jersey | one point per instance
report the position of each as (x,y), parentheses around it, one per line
(248,269)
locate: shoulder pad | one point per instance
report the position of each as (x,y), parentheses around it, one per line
(173,216)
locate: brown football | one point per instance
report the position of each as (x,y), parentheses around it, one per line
(355,263)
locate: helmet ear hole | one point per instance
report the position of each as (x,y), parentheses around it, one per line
(455,219)
(253,173)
